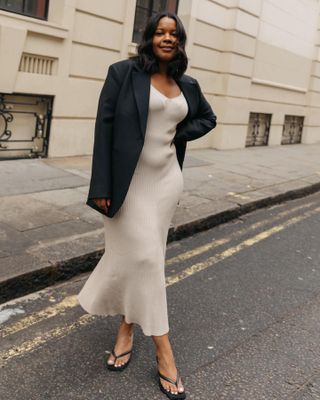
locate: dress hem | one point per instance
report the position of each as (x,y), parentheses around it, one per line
(128,321)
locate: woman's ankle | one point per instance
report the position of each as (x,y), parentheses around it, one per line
(165,355)
(126,327)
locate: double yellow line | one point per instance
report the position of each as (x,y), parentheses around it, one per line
(71,301)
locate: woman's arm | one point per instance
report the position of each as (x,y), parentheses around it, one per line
(202,123)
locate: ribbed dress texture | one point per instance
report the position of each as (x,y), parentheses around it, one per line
(129,279)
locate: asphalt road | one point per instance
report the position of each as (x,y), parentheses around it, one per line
(244,314)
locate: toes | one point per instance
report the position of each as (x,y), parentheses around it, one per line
(110,361)
(120,363)
(180,387)
(164,384)
(170,389)
(173,390)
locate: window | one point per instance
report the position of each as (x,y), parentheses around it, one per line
(144,10)
(26,129)
(31,8)
(292,129)
(258,129)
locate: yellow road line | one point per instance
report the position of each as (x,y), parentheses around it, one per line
(71,301)
(48,312)
(200,266)
(209,246)
(33,344)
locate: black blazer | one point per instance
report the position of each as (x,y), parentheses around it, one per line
(120,128)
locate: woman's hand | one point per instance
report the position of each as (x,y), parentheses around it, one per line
(103,203)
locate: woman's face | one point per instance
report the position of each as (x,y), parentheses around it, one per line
(165,39)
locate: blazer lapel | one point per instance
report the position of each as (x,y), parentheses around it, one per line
(141,88)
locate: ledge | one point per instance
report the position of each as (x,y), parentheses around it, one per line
(132,48)
(35,25)
(279,85)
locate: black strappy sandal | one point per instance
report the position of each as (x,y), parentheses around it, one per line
(172,396)
(113,367)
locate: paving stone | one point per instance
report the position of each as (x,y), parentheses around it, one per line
(57,231)
(214,190)
(13,241)
(312,178)
(61,197)
(284,187)
(27,176)
(85,213)
(189,200)
(191,214)
(53,251)
(194,162)
(83,189)
(245,197)
(18,265)
(198,174)
(24,212)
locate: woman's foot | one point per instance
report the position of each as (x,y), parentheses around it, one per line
(167,367)
(124,342)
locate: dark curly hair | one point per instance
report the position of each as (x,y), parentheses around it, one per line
(146,58)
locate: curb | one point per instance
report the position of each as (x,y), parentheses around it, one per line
(53,273)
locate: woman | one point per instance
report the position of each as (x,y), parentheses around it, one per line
(148,110)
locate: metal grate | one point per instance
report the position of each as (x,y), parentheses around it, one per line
(24,125)
(292,129)
(37,64)
(258,129)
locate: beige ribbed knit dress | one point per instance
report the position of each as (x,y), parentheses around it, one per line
(129,279)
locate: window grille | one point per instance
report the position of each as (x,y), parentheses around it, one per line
(292,129)
(24,125)
(258,129)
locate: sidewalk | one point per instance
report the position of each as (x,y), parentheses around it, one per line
(48,233)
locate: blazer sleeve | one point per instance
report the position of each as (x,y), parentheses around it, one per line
(202,123)
(100,183)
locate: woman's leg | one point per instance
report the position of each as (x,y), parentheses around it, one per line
(166,362)
(124,343)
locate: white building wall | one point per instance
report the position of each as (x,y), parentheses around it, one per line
(248,56)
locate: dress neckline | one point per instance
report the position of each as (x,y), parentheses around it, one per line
(168,98)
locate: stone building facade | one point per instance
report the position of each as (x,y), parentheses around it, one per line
(257,62)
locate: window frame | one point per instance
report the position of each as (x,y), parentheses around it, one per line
(150,12)
(44,18)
